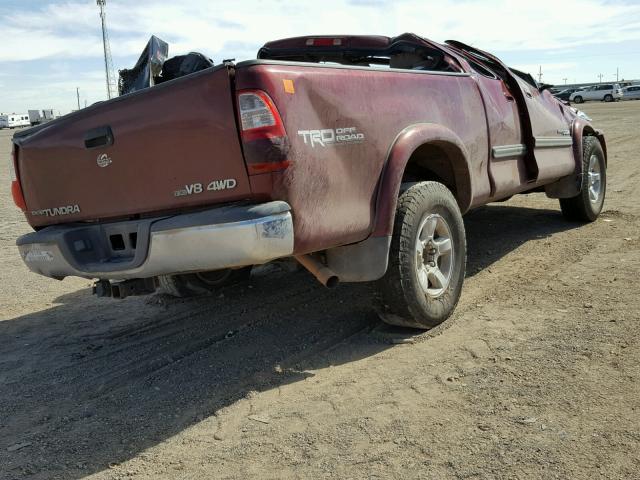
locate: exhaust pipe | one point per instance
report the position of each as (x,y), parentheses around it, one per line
(324,274)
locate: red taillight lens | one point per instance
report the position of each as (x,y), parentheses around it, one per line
(264,138)
(324,42)
(259,117)
(16,189)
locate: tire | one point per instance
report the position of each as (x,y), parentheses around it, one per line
(608,98)
(578,99)
(201,283)
(587,205)
(422,285)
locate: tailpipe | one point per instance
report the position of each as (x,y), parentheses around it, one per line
(324,274)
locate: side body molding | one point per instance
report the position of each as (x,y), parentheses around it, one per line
(405,144)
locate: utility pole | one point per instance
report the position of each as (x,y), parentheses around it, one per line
(617,73)
(540,74)
(600,77)
(78,96)
(108,61)
(565,80)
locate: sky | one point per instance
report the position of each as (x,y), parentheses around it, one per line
(50,47)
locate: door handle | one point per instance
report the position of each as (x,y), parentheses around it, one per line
(508,97)
(528,93)
(98,137)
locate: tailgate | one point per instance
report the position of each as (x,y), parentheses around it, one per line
(171,146)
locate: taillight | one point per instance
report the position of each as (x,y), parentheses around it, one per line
(323,42)
(264,138)
(16,189)
(259,117)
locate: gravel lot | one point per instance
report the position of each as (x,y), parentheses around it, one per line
(535,376)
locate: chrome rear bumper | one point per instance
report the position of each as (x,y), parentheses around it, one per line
(224,237)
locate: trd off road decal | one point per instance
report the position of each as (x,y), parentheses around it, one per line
(331,136)
(215,185)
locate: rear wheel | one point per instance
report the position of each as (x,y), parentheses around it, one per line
(587,205)
(426,260)
(608,98)
(578,99)
(201,283)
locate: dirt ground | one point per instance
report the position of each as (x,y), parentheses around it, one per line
(535,376)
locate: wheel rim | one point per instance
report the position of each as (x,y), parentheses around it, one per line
(595,180)
(434,255)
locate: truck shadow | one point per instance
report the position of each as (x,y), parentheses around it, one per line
(93,382)
(497,229)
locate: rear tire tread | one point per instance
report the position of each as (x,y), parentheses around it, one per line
(579,208)
(401,306)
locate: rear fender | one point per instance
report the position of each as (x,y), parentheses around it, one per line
(405,144)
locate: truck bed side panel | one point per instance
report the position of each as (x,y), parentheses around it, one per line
(332,187)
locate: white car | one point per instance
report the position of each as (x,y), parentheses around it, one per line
(606,92)
(632,92)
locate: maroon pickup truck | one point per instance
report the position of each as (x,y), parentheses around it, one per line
(356,155)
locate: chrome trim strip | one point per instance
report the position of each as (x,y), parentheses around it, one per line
(551,142)
(508,151)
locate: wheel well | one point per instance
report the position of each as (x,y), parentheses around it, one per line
(441,162)
(589,131)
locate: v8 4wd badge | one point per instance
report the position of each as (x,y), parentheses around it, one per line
(214,185)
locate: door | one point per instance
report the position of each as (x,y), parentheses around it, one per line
(506,168)
(590,94)
(546,133)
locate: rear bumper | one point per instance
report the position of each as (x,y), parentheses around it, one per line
(224,237)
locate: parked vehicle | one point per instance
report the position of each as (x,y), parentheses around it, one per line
(566,93)
(312,151)
(35,117)
(607,92)
(631,93)
(14,120)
